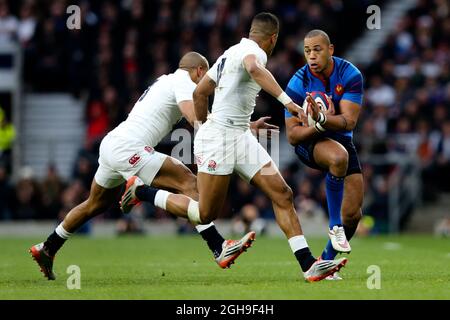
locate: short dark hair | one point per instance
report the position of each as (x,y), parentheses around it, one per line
(269,23)
(320,33)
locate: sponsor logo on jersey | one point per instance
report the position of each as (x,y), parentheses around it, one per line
(134,159)
(212,165)
(149,149)
(339,89)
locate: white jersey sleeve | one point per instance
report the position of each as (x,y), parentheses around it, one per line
(183,89)
(261,56)
(213,72)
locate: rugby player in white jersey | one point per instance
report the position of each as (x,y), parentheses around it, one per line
(236,78)
(128,152)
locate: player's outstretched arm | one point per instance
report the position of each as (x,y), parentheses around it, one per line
(262,76)
(261,123)
(204,89)
(267,82)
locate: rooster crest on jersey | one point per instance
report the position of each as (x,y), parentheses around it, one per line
(322,101)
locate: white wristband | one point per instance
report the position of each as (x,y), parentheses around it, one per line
(284,98)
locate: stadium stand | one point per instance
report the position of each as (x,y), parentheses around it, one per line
(123,46)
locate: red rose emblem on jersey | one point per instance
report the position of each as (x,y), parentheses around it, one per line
(339,89)
(212,165)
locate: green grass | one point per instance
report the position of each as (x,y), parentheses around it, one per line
(412,267)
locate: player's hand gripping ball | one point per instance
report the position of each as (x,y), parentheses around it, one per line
(321,99)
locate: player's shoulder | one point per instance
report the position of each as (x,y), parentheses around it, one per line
(300,79)
(247,46)
(346,69)
(179,80)
(300,75)
(181,76)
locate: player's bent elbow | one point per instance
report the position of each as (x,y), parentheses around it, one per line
(253,69)
(197,95)
(350,125)
(293,138)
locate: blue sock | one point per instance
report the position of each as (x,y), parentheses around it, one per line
(335,192)
(329,253)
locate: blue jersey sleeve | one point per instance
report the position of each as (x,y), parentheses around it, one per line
(354,86)
(287,114)
(294,90)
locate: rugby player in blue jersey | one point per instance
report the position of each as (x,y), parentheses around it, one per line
(328,145)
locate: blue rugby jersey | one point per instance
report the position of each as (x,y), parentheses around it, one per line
(344,83)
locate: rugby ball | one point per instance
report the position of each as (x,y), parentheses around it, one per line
(321,100)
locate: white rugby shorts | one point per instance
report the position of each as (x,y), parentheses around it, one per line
(121,158)
(220,150)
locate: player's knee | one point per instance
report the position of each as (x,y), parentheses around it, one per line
(339,159)
(189,185)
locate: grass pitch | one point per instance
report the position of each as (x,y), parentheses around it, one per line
(167,268)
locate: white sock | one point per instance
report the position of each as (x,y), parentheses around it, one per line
(203,227)
(194,212)
(60,231)
(161,197)
(297,243)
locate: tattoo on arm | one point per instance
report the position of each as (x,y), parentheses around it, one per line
(345,122)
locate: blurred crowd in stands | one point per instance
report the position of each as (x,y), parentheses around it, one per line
(123,46)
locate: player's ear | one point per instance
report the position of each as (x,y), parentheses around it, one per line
(274,38)
(331,49)
(199,72)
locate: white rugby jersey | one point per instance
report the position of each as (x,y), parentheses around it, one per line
(156,112)
(236,91)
